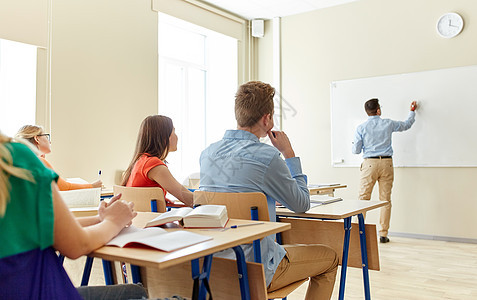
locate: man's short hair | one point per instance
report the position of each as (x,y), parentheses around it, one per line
(253,100)
(371,106)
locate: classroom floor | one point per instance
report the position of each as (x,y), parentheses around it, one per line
(411,269)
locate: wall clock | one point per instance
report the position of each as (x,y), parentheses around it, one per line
(449,25)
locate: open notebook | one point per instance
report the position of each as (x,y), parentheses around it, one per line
(82,197)
(157,238)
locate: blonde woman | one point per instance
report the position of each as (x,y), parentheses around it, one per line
(41,140)
(34,222)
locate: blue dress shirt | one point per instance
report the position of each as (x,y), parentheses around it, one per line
(240,163)
(374,137)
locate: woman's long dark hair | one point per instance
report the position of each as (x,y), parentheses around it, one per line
(153,139)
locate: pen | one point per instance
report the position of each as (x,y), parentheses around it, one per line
(243,225)
(99,178)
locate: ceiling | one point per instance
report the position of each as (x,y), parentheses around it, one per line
(268,9)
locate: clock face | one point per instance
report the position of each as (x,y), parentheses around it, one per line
(450,25)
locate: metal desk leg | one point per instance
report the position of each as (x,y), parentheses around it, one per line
(108,272)
(87,271)
(278,235)
(364,256)
(344,260)
(201,279)
(242,272)
(136,274)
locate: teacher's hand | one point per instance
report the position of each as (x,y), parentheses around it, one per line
(413,105)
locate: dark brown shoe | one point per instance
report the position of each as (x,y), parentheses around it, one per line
(383,239)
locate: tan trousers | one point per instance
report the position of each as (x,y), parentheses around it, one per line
(319,262)
(382,171)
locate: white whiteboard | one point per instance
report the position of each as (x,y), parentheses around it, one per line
(445,131)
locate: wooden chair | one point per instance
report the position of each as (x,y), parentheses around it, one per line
(143,197)
(238,207)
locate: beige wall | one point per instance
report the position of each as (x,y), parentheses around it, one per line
(373,38)
(103,61)
(104,78)
(25,21)
(103,83)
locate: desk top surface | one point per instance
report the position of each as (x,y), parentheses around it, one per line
(221,240)
(317,188)
(336,210)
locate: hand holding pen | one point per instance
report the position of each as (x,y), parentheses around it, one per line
(98,183)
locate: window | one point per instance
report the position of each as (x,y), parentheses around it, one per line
(197,82)
(17,86)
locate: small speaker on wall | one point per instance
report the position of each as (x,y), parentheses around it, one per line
(258,28)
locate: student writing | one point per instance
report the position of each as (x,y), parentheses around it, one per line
(42,141)
(34,222)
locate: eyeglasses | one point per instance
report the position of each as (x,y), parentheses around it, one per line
(47,136)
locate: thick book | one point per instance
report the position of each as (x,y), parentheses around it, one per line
(157,238)
(82,197)
(323,199)
(203,216)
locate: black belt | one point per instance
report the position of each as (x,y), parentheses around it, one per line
(379,157)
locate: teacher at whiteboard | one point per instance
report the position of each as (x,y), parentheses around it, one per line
(373,137)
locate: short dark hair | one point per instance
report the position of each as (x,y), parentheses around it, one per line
(253,100)
(371,106)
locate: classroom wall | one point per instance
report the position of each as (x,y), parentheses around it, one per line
(25,21)
(373,38)
(103,83)
(104,79)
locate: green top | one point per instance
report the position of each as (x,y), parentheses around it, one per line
(29,219)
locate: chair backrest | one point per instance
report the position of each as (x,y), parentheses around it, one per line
(238,207)
(142,196)
(238,204)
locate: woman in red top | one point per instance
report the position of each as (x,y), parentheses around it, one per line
(155,140)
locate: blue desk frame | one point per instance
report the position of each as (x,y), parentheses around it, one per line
(364,256)
(201,277)
(344,261)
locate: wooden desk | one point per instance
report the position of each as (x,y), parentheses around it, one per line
(335,211)
(221,240)
(325,190)
(343,210)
